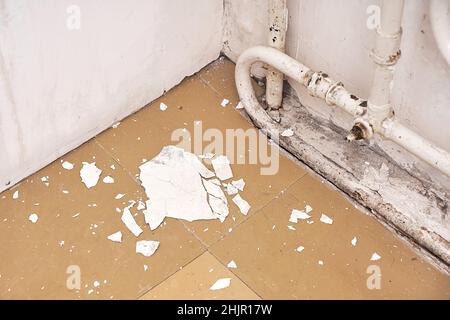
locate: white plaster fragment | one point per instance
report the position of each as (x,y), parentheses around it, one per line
(222,168)
(232,264)
(146,247)
(15,194)
(300,248)
(354,240)
(67,165)
(240,105)
(119,196)
(33,217)
(116,237)
(90,174)
(243,205)
(239,184)
(326,219)
(221,284)
(375,257)
(173,183)
(163,106)
(108,179)
(130,223)
(225,102)
(298,214)
(287,133)
(308,208)
(231,190)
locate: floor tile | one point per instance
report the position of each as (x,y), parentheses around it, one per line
(72,229)
(329,267)
(195,280)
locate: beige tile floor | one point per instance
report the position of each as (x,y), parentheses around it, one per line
(73,225)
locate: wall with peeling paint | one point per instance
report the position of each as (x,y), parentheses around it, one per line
(332,36)
(60,87)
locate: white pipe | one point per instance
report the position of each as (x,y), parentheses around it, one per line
(440,24)
(385,55)
(417,145)
(320,85)
(276,39)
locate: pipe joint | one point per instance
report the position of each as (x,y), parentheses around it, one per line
(361,130)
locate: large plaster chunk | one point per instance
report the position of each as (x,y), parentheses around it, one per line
(173,184)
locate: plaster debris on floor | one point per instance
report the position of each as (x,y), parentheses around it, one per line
(90,174)
(221,284)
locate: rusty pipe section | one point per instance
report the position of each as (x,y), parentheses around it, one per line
(318,84)
(278,21)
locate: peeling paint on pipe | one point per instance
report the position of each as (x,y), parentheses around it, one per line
(278,17)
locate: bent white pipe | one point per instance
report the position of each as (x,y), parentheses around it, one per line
(277,40)
(440,24)
(318,84)
(321,86)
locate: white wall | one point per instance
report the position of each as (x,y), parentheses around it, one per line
(331,35)
(60,87)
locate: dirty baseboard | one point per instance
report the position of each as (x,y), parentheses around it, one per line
(368,176)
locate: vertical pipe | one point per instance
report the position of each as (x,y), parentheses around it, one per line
(277,39)
(385,55)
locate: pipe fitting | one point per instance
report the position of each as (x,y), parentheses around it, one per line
(362,130)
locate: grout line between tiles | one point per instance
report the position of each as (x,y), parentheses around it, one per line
(256,212)
(246,284)
(148,289)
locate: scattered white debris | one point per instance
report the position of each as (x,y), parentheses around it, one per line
(243,205)
(216,197)
(96,284)
(45,180)
(354,240)
(16,194)
(232,265)
(231,189)
(119,196)
(221,284)
(128,220)
(115,125)
(113,167)
(239,184)
(225,102)
(240,105)
(141,205)
(375,257)
(65,191)
(67,165)
(90,291)
(163,106)
(76,215)
(308,208)
(146,247)
(90,174)
(145,267)
(326,219)
(116,237)
(300,248)
(173,183)
(287,133)
(108,179)
(320,262)
(298,214)
(291,228)
(222,168)
(61,243)
(33,217)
